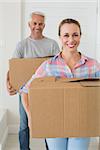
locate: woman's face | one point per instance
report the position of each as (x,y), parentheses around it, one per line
(70,36)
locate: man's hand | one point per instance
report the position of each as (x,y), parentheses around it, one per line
(10,89)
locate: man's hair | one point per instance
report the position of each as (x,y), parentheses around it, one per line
(37,13)
(69,21)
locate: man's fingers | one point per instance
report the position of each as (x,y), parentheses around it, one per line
(9,86)
(13,92)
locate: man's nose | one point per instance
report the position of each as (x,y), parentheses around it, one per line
(37,25)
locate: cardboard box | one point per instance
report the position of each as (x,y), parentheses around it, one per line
(60,108)
(22,69)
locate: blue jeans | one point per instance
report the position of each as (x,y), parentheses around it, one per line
(24,136)
(68,143)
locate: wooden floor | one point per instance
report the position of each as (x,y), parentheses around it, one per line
(38,144)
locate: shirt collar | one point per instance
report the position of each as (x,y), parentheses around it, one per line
(83,58)
(82,61)
(58,55)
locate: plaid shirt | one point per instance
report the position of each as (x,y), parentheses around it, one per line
(85,68)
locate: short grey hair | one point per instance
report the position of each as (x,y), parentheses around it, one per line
(37,13)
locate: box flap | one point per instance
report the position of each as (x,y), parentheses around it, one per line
(78,79)
(90,83)
(86,82)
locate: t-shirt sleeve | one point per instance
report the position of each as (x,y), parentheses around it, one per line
(55,49)
(18,53)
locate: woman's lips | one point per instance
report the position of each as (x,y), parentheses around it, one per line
(71,45)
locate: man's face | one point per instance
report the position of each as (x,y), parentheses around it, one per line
(37,24)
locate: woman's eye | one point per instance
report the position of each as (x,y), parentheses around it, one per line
(75,35)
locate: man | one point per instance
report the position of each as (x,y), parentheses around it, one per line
(36,45)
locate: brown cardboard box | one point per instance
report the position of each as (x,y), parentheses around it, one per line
(22,69)
(60,108)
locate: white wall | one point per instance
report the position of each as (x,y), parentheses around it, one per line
(98,33)
(10,33)
(13,27)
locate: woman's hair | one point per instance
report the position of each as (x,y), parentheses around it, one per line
(69,21)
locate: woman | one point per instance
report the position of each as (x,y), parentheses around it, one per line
(68,63)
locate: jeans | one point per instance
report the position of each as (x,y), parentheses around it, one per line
(68,143)
(24,136)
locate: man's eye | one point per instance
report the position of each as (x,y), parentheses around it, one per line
(40,24)
(35,23)
(66,35)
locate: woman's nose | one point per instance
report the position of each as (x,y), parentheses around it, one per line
(71,38)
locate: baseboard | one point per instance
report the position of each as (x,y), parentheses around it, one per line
(13,129)
(10,129)
(4,138)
